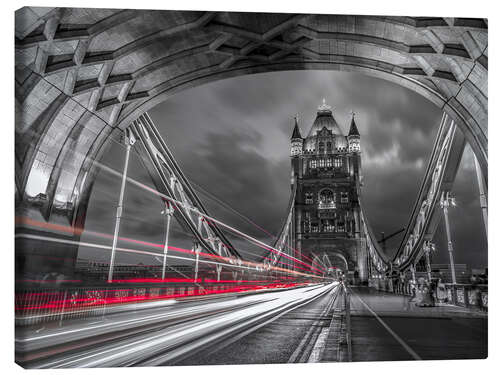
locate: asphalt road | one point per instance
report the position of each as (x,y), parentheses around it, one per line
(297,336)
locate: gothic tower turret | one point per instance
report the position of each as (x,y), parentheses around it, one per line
(296,140)
(353,138)
(296,149)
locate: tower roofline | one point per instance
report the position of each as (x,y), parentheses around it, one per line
(353,130)
(296,129)
(324,118)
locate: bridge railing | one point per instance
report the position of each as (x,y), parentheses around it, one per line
(474,296)
(53,304)
(467,295)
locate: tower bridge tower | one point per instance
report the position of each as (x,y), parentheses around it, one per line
(326,168)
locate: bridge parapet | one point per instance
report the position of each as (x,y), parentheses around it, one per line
(471,296)
(58,303)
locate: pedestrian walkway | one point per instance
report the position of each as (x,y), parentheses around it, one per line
(390,304)
(386,326)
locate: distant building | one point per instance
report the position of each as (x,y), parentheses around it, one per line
(443,271)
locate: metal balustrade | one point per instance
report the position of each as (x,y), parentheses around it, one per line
(57,304)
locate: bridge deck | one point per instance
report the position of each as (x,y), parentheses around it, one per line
(384,327)
(295,325)
(297,336)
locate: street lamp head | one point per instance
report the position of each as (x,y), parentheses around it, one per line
(447,200)
(429,246)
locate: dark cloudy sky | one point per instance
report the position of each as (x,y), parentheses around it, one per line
(231,138)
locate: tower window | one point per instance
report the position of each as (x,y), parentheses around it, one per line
(354,145)
(307,222)
(344,197)
(326,199)
(329,146)
(307,226)
(328,226)
(309,198)
(321,147)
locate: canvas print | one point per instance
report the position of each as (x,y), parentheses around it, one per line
(212,187)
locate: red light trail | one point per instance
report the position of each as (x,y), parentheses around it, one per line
(67,229)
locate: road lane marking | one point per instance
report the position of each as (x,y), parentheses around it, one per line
(171,357)
(320,344)
(394,334)
(304,341)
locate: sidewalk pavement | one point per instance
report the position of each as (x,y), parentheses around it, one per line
(395,305)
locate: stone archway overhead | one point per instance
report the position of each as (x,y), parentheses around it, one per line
(83,74)
(340,256)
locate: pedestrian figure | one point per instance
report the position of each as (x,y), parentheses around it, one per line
(441,291)
(413,291)
(426,297)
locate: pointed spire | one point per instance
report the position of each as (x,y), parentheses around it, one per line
(324,107)
(296,129)
(353,130)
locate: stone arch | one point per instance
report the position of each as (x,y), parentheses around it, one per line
(343,259)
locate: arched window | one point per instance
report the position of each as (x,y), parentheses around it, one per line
(309,198)
(344,197)
(328,226)
(326,199)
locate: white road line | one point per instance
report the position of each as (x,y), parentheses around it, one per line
(394,334)
(304,341)
(319,346)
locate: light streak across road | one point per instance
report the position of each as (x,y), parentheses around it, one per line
(159,334)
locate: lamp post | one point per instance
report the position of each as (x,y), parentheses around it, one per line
(168,212)
(129,141)
(446,201)
(413,274)
(197,250)
(428,248)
